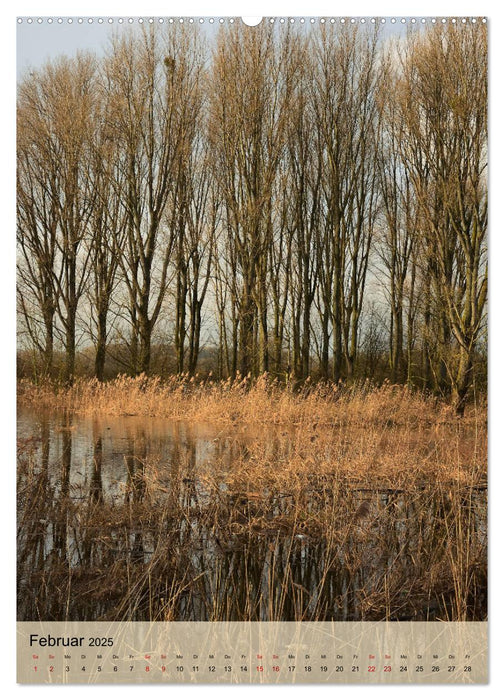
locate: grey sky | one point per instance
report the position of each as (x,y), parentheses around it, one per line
(37,42)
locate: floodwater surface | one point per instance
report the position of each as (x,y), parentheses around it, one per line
(142,519)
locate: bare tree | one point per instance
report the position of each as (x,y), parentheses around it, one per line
(304,186)
(252,85)
(107,235)
(346,117)
(249,191)
(37,223)
(198,209)
(399,224)
(443,99)
(155,87)
(57,106)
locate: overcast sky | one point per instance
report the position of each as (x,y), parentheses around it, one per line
(37,42)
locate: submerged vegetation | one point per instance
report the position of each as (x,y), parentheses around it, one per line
(326,503)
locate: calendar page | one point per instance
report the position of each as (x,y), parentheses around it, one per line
(252,350)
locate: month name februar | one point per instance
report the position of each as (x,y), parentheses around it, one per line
(50,641)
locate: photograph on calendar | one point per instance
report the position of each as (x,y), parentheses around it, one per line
(252,320)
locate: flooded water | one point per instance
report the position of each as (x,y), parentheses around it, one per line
(134,518)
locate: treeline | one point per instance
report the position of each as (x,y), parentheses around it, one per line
(295,199)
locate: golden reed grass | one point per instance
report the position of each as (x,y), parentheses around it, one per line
(262,400)
(362,431)
(338,503)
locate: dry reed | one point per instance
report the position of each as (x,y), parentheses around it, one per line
(362,432)
(361,503)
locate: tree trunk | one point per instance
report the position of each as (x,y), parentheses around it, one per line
(194,338)
(180,319)
(101,345)
(69,374)
(48,356)
(246,340)
(324,358)
(462,382)
(263,339)
(144,351)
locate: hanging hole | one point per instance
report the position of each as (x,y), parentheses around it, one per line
(251,21)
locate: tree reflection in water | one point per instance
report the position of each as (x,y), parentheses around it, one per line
(142,531)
